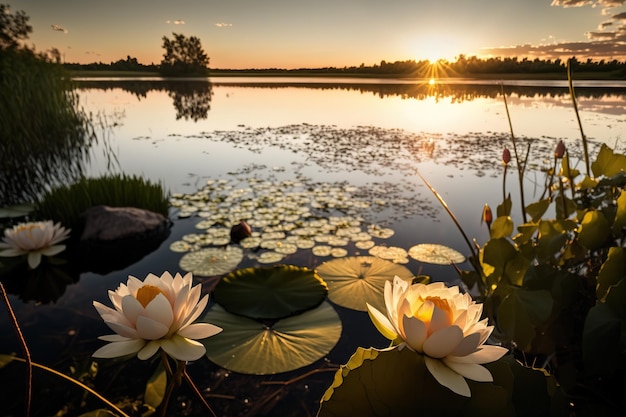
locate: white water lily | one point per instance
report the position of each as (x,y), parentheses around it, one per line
(443,325)
(157,313)
(34,239)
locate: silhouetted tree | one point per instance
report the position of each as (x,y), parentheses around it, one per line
(14,27)
(183,56)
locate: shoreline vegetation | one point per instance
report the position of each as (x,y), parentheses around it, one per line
(463,68)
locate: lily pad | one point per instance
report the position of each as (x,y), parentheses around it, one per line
(212,261)
(249,347)
(270,293)
(357,280)
(436,254)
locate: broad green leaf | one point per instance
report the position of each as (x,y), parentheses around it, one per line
(99,413)
(594,230)
(537,209)
(155,387)
(396,382)
(356,281)
(516,269)
(497,252)
(608,163)
(504,209)
(587,183)
(620,216)
(550,239)
(270,293)
(612,271)
(526,232)
(616,299)
(601,339)
(566,170)
(250,347)
(502,227)
(210,262)
(521,312)
(564,207)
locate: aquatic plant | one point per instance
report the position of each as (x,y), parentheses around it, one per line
(65,203)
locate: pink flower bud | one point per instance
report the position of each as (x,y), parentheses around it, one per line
(240,231)
(506,156)
(487,215)
(560,150)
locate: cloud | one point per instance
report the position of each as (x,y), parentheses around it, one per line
(223,25)
(581,3)
(59,28)
(176,22)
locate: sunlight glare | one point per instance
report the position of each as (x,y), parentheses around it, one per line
(431,81)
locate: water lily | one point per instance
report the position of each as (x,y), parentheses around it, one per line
(442,324)
(156,313)
(33,239)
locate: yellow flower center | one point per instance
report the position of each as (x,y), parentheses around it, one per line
(425,315)
(147,293)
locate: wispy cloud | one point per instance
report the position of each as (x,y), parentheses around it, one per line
(581,3)
(176,22)
(59,28)
(223,25)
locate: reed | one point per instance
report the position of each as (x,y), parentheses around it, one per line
(45,136)
(66,203)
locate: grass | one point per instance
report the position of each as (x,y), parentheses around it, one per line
(66,203)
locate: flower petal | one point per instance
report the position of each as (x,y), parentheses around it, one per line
(150,329)
(149,350)
(382,323)
(443,342)
(183,349)
(472,371)
(468,345)
(486,354)
(34,259)
(199,331)
(116,349)
(447,377)
(414,332)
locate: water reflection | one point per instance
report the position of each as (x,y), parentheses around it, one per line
(191,98)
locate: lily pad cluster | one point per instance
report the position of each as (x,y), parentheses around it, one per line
(285,216)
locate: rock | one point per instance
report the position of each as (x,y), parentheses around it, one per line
(106,223)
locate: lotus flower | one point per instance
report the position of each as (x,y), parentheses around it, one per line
(35,239)
(155,314)
(443,325)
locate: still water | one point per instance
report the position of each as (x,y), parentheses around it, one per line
(369,136)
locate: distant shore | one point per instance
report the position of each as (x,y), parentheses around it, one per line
(288,73)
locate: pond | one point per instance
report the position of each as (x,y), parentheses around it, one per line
(346,151)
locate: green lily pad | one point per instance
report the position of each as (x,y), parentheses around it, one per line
(436,254)
(357,280)
(212,261)
(249,347)
(270,293)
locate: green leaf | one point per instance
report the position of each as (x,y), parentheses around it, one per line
(587,183)
(620,216)
(566,170)
(155,388)
(526,232)
(502,227)
(521,312)
(616,300)
(601,340)
(5,360)
(270,293)
(608,163)
(594,230)
(537,209)
(611,272)
(504,209)
(396,382)
(250,347)
(497,252)
(99,413)
(356,281)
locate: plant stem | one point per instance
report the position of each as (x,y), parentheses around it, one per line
(78,383)
(580,125)
(28,360)
(197,392)
(504,183)
(520,167)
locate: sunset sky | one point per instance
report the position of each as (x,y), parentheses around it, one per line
(244,34)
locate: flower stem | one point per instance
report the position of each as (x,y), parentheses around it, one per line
(78,383)
(26,351)
(197,392)
(580,125)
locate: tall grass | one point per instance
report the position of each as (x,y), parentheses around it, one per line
(66,203)
(44,135)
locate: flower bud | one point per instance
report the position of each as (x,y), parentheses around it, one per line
(506,156)
(240,231)
(487,215)
(560,150)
